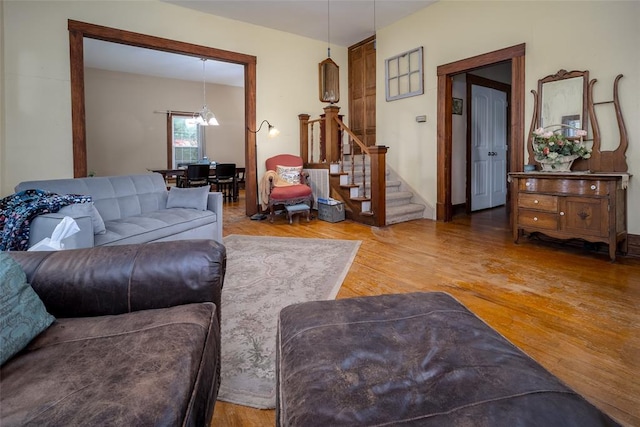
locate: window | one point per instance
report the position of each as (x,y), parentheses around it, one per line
(186,140)
(404,75)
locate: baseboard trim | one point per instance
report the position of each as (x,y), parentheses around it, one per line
(633,241)
(459,209)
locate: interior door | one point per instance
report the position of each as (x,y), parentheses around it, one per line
(362,90)
(488,147)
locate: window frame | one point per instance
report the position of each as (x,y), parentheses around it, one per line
(201,137)
(394,75)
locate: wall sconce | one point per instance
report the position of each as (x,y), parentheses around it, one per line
(273,131)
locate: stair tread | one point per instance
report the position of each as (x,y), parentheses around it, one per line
(406,208)
(399,195)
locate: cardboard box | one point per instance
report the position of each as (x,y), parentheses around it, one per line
(333,212)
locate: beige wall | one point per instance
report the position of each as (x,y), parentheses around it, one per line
(125,135)
(599,36)
(36,74)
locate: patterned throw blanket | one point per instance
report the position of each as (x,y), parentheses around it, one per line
(18,210)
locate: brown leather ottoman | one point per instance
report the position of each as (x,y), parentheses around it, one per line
(419,359)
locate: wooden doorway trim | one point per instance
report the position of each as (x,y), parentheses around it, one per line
(444,207)
(79,30)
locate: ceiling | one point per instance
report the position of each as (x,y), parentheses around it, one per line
(350,21)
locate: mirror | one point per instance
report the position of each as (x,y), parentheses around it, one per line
(563,100)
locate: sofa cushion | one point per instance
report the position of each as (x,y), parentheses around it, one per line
(193,198)
(130,369)
(153,226)
(115,197)
(85,209)
(22,313)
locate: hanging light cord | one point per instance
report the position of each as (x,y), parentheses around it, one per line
(328,29)
(374,17)
(204,84)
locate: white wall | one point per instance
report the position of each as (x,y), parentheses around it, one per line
(599,36)
(37,82)
(127,135)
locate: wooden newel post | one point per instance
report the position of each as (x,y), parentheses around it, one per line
(304,137)
(332,133)
(378,155)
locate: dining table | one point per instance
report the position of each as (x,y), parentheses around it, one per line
(173,173)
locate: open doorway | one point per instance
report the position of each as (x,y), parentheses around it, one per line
(446,73)
(79,30)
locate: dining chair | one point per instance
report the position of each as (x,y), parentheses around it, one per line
(226,181)
(197,175)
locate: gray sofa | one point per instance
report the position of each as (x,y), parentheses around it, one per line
(133,208)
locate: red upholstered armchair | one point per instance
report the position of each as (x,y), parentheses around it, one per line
(285,183)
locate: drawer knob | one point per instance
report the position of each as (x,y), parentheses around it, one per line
(535,218)
(527,184)
(593,187)
(536,202)
(561,213)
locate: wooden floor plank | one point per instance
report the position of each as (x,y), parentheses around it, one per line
(570,309)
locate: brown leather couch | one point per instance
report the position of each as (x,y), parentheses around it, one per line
(136,341)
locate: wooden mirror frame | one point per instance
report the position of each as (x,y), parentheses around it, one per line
(614,160)
(565,75)
(580,164)
(600,161)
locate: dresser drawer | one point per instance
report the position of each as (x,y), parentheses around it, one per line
(537,219)
(580,187)
(542,202)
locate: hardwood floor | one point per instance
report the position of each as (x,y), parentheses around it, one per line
(572,310)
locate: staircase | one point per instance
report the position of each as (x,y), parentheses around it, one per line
(399,202)
(371,193)
(400,207)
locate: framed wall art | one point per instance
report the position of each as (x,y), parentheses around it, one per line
(457,106)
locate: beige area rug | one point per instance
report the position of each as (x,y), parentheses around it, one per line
(264,275)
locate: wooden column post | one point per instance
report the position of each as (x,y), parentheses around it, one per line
(378,183)
(304,137)
(332,132)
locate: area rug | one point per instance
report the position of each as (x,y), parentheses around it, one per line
(264,275)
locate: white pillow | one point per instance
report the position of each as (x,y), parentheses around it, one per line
(290,174)
(192,198)
(76,210)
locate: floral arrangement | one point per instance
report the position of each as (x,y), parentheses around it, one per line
(551,147)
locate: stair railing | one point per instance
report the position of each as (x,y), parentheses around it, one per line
(368,207)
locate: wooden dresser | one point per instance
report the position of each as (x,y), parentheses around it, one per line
(574,205)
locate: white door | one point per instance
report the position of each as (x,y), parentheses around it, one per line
(488,147)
